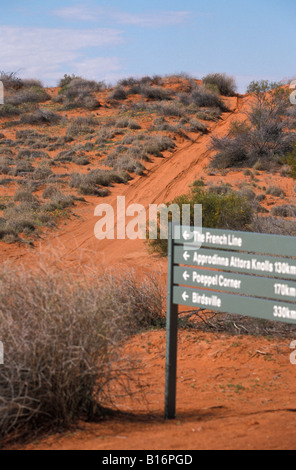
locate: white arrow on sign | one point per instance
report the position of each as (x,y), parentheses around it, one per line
(186,276)
(187,235)
(186,255)
(185,296)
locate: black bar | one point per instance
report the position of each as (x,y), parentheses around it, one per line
(172,338)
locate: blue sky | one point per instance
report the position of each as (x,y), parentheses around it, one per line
(108,40)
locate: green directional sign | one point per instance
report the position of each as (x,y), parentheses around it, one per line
(236,283)
(238,241)
(240,273)
(256,264)
(236,304)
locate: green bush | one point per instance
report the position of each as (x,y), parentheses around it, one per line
(263,86)
(220,209)
(8,110)
(290,159)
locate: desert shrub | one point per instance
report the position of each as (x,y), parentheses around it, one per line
(7,235)
(24,196)
(27,134)
(8,110)
(134,138)
(225,84)
(133,125)
(9,142)
(273,225)
(158,144)
(216,188)
(78,87)
(260,197)
(169,109)
(230,152)
(118,94)
(77,92)
(34,94)
(131,81)
(58,201)
(197,126)
(247,193)
(104,135)
(82,125)
(290,159)
(166,126)
(140,150)
(66,80)
(5,164)
(31,82)
(32,154)
(154,93)
(65,156)
(285,210)
(208,114)
(134,89)
(10,80)
(42,172)
(127,82)
(5,181)
(28,214)
(86,102)
(22,167)
(21,218)
(220,210)
(87,147)
(6,151)
(51,191)
(41,116)
(63,337)
(90,183)
(81,160)
(265,138)
(198,183)
(122,123)
(204,98)
(125,162)
(275,191)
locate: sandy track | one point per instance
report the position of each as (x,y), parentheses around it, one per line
(165,179)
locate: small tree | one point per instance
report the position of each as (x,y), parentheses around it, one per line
(264,136)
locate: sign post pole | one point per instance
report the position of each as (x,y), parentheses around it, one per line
(172,333)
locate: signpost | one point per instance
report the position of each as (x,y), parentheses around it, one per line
(243,273)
